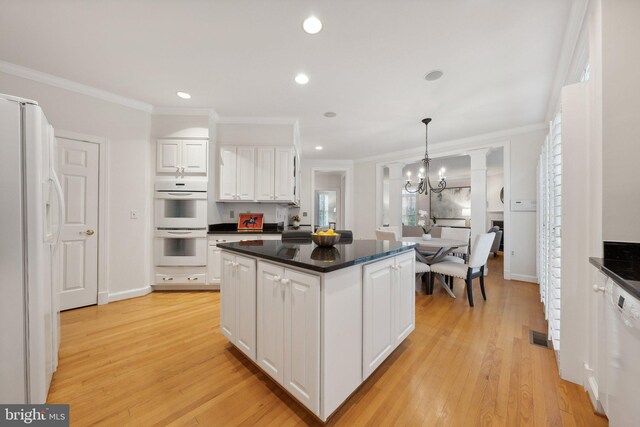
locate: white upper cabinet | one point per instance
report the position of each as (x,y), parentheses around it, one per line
(262,174)
(228,173)
(245,177)
(284,174)
(182,156)
(237,173)
(265,171)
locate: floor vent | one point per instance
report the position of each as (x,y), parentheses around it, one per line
(539,338)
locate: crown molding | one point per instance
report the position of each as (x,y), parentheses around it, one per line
(179,111)
(258,121)
(51,80)
(469,143)
(574,45)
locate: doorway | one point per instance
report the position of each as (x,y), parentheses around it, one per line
(329,199)
(78,167)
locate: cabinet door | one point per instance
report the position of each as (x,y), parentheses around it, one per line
(228,297)
(214,267)
(378,339)
(168,156)
(302,338)
(265,174)
(284,175)
(194,156)
(404,289)
(228,173)
(246,308)
(245,165)
(271,320)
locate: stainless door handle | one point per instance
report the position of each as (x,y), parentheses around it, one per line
(180,194)
(88,232)
(192,278)
(179,232)
(167,279)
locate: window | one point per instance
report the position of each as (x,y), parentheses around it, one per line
(409,216)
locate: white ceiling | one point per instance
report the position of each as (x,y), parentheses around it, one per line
(240,57)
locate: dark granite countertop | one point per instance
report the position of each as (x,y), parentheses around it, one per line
(311,257)
(232,228)
(624,273)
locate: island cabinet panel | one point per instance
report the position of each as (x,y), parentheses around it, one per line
(246,307)
(228,297)
(238,302)
(302,337)
(405,297)
(378,311)
(341,317)
(289,330)
(271,320)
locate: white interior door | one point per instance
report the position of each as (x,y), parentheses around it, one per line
(78,169)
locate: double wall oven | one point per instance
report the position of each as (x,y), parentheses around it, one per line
(181,223)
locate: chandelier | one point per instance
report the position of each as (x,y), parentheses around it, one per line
(424,183)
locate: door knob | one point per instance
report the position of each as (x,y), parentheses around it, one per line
(88,232)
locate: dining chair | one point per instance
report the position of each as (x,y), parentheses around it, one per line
(462,234)
(422,268)
(386,235)
(496,243)
(474,268)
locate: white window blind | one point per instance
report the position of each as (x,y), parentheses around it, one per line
(550,227)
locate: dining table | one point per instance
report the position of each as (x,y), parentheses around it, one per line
(434,250)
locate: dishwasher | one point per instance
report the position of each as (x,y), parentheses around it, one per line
(620,392)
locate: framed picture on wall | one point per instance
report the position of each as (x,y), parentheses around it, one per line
(452,202)
(250,222)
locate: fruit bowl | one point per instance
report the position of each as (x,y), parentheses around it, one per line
(325,240)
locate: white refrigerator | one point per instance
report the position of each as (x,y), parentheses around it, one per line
(31,211)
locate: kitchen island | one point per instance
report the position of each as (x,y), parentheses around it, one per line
(317,320)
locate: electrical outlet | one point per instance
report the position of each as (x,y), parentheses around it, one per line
(513,253)
(133,214)
(304,214)
(232,214)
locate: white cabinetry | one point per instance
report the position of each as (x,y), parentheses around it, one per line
(289,330)
(238,302)
(182,156)
(236,173)
(388,308)
(284,174)
(265,172)
(272,168)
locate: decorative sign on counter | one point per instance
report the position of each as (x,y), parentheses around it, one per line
(250,222)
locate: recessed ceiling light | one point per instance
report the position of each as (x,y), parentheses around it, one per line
(318,147)
(433,75)
(183,95)
(302,79)
(330,114)
(312,25)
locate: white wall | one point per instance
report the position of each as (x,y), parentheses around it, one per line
(127,131)
(620,124)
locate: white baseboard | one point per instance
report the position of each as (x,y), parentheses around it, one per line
(506,274)
(132,293)
(103,298)
(591,386)
(524,278)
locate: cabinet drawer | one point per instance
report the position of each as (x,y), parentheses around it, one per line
(181,279)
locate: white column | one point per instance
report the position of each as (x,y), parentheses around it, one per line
(478,192)
(396,183)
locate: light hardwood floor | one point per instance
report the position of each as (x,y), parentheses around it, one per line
(161,360)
